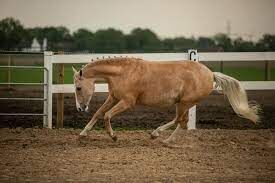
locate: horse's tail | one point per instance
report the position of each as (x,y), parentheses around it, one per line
(237,97)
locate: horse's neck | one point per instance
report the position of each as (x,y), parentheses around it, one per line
(101,71)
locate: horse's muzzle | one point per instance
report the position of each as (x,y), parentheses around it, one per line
(79,109)
(83,108)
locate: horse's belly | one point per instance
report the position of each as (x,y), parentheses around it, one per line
(159,100)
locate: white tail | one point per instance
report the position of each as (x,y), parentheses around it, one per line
(237,97)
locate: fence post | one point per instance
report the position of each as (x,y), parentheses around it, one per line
(47,120)
(192,55)
(9,71)
(60,97)
(267,71)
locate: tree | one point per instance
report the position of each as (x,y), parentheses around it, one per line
(223,42)
(267,43)
(83,40)
(109,40)
(168,44)
(205,43)
(13,36)
(59,38)
(179,44)
(12,33)
(143,40)
(242,45)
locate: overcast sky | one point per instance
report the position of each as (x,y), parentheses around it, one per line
(168,18)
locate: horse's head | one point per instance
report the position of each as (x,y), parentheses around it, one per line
(84,89)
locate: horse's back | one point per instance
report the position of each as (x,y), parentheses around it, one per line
(173,81)
(188,71)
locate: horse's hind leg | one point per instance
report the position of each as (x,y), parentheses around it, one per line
(172,137)
(155,133)
(180,109)
(182,119)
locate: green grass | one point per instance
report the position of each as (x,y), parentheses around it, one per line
(246,74)
(36,76)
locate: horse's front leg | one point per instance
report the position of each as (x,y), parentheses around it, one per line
(121,106)
(105,107)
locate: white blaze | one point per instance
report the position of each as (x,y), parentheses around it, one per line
(76,102)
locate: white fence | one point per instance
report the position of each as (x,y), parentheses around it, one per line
(50,59)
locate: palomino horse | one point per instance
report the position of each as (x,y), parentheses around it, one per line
(134,81)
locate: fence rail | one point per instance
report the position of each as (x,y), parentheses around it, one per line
(237,56)
(22,114)
(204,57)
(33,99)
(102,87)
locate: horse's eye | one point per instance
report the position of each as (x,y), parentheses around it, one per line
(78,88)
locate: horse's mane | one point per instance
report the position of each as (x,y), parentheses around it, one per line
(112,61)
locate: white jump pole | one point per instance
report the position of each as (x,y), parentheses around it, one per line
(192,55)
(47,120)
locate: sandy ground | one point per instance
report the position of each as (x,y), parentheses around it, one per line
(42,155)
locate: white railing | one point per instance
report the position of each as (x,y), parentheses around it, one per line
(50,59)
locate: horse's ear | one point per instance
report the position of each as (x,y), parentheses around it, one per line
(75,71)
(80,72)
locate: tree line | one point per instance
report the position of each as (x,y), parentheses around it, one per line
(14,36)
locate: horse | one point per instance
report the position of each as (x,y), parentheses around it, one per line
(134,81)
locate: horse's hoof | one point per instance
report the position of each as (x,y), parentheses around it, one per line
(170,143)
(154,135)
(82,138)
(166,141)
(83,133)
(114,138)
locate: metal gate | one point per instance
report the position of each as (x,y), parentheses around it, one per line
(44,99)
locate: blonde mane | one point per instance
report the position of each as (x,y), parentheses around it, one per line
(112,60)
